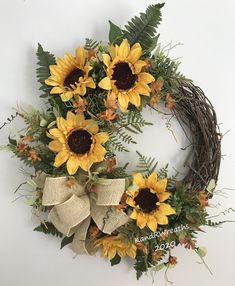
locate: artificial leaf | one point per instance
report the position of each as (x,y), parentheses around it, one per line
(114,32)
(116,260)
(48,228)
(142,29)
(211,186)
(201,251)
(45,59)
(66,240)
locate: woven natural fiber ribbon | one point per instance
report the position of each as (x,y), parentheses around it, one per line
(73,208)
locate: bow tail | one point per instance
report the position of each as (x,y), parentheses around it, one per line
(66,216)
(81,245)
(108,219)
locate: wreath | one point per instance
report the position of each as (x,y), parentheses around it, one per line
(94,100)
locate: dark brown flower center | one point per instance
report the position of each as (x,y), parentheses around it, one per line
(123,76)
(146,200)
(79,141)
(73,77)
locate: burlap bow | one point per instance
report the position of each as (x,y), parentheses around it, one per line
(73,208)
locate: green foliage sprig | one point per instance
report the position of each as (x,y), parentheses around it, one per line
(142,29)
(146,164)
(48,228)
(45,59)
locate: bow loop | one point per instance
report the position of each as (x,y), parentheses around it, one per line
(110,193)
(56,191)
(68,215)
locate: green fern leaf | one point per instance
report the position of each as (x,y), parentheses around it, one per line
(126,138)
(132,121)
(91,44)
(162,173)
(115,144)
(143,29)
(168,69)
(48,228)
(45,59)
(119,172)
(146,165)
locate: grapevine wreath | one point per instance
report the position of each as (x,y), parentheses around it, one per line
(94,100)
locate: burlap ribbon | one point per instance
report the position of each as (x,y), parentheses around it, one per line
(73,208)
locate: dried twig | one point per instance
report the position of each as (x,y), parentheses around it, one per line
(194,110)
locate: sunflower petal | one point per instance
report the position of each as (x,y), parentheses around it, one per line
(66,96)
(98,153)
(163,196)
(81,89)
(166,209)
(92,126)
(80,56)
(105,83)
(160,186)
(124,50)
(55,146)
(123,101)
(161,218)
(90,82)
(56,90)
(71,118)
(151,180)
(134,98)
(61,63)
(130,202)
(62,124)
(55,70)
(80,120)
(72,165)
(112,253)
(51,82)
(113,51)
(152,223)
(61,158)
(131,251)
(135,53)
(101,137)
(121,252)
(143,88)
(138,66)
(69,59)
(134,214)
(56,133)
(146,77)
(139,180)
(132,191)
(84,163)
(106,59)
(141,220)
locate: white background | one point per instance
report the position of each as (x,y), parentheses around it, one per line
(207,30)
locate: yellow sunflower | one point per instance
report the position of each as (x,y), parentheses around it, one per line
(147,200)
(112,245)
(78,142)
(70,76)
(125,79)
